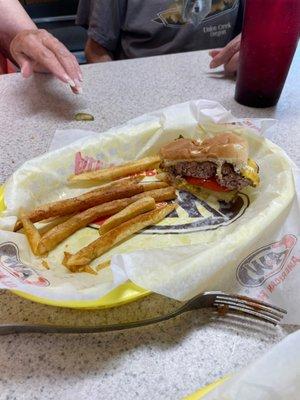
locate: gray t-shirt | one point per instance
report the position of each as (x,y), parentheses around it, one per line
(141,28)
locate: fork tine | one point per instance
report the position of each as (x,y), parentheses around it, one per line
(251,304)
(251,313)
(250,300)
(267,313)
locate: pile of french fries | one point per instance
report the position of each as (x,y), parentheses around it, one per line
(128,205)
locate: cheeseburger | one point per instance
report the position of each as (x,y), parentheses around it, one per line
(218,166)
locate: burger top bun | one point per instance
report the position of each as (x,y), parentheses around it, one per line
(225,147)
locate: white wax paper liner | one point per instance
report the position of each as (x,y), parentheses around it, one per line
(251,247)
(273,376)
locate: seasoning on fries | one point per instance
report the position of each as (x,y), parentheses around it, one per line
(62,231)
(139,207)
(128,204)
(159,195)
(108,240)
(82,202)
(78,221)
(117,172)
(52,223)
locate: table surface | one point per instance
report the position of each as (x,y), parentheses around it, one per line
(166,361)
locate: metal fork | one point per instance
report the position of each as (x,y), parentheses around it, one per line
(221,302)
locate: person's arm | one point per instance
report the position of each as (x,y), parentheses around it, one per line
(95,53)
(104,21)
(13,19)
(35,50)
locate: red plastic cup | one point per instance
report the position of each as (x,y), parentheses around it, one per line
(269,39)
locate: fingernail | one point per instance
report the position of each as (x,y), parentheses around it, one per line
(71,83)
(80,77)
(78,90)
(77,84)
(212,64)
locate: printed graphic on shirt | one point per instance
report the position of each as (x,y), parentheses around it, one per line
(183,12)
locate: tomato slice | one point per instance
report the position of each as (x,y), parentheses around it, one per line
(210,184)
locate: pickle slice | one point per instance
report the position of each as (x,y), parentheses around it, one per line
(84,117)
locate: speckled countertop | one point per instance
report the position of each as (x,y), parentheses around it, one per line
(166,361)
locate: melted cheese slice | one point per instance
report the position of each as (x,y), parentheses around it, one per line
(251,172)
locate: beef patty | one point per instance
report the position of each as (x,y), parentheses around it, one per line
(203,170)
(207,170)
(231,179)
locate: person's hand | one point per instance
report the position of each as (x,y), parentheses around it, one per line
(228,56)
(38,51)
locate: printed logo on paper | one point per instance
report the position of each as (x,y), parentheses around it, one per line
(12,269)
(195,215)
(87,164)
(266,262)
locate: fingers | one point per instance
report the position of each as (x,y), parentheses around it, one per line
(41,51)
(214,52)
(231,67)
(67,60)
(26,66)
(226,53)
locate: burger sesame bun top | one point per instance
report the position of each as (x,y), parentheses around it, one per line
(224,147)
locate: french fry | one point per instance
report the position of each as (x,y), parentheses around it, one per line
(86,199)
(31,232)
(78,221)
(66,258)
(154,185)
(138,207)
(61,206)
(163,176)
(45,264)
(52,223)
(159,195)
(83,202)
(120,171)
(89,184)
(103,265)
(82,268)
(116,235)
(89,270)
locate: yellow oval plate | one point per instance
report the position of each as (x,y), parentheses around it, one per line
(123,294)
(206,389)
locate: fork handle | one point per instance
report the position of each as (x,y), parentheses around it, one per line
(6,329)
